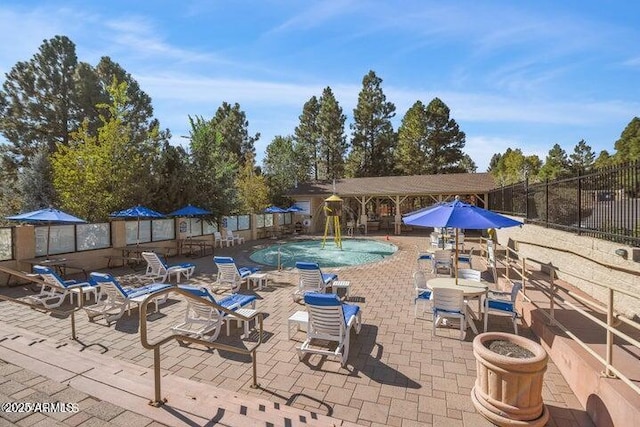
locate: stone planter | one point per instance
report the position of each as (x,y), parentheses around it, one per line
(508,390)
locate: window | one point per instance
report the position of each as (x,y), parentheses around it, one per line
(230,223)
(244,222)
(6,243)
(138,231)
(208,227)
(61,239)
(194,227)
(93,236)
(163,229)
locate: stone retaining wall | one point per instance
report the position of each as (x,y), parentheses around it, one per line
(588,258)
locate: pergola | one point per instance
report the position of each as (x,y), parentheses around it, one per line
(410,191)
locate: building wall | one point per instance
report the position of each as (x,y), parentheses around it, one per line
(586,257)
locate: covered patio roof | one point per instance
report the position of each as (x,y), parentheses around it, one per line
(414,185)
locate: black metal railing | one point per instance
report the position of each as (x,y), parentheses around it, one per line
(604,204)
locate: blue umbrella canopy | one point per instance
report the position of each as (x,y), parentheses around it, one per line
(457,214)
(190,210)
(138,211)
(294,208)
(275,209)
(47,216)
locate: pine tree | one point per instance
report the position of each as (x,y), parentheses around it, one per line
(332,140)
(582,158)
(628,146)
(307,137)
(373,139)
(410,155)
(232,124)
(444,141)
(556,164)
(279,163)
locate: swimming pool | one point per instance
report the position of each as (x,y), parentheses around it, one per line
(354,252)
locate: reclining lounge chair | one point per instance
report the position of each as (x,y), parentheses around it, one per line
(203,319)
(119,298)
(330,320)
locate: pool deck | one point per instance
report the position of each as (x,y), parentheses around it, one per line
(398,373)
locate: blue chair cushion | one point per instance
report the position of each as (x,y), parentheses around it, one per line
(223,260)
(144,290)
(349,310)
(425,257)
(238,300)
(501,305)
(329,277)
(184,265)
(247,271)
(321,300)
(426,294)
(307,265)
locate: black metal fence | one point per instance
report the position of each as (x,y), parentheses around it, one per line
(603,204)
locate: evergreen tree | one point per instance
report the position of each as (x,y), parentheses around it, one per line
(332,140)
(513,167)
(410,155)
(232,124)
(628,146)
(307,137)
(444,142)
(466,164)
(214,169)
(373,140)
(171,186)
(494,162)
(604,160)
(582,158)
(279,162)
(35,181)
(555,165)
(38,104)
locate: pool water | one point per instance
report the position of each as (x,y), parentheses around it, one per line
(354,252)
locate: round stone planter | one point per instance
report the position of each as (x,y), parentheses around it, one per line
(508,390)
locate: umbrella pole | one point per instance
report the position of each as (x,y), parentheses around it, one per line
(48,237)
(456,262)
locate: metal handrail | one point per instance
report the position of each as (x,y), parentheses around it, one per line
(610,325)
(155,346)
(38,281)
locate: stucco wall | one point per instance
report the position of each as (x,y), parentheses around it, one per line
(592,259)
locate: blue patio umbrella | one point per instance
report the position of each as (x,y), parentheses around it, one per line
(294,208)
(138,212)
(457,214)
(275,210)
(190,211)
(47,216)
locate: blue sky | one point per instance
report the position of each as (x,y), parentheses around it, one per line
(514,74)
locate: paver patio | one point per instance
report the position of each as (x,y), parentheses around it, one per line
(398,374)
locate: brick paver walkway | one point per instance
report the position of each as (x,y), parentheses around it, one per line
(398,374)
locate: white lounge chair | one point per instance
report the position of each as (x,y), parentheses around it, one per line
(237,239)
(158,269)
(422,292)
(119,298)
(504,302)
(449,304)
(330,320)
(202,318)
(230,274)
(312,279)
(218,238)
(55,289)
